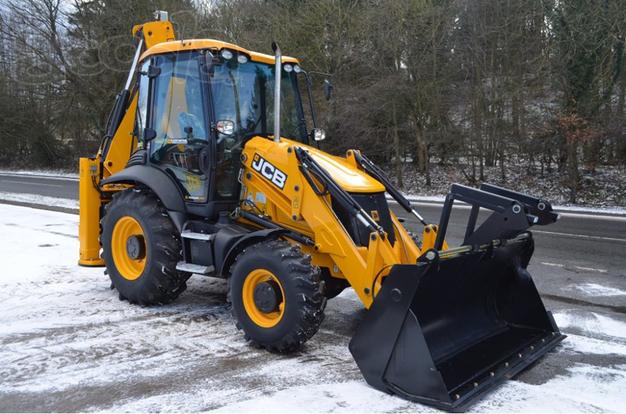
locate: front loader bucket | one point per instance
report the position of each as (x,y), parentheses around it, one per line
(446,330)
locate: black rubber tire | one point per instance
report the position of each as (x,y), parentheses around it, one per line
(304,298)
(160,282)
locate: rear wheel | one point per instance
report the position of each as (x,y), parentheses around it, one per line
(141,249)
(277,296)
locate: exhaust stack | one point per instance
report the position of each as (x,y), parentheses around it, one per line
(277,80)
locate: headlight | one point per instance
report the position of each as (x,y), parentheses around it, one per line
(288,68)
(297,69)
(226,54)
(242,59)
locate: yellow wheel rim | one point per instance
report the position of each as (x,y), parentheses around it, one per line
(129,268)
(262,319)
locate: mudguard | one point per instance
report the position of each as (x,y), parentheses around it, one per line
(156,180)
(235,248)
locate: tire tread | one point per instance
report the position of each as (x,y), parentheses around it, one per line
(307,280)
(164,282)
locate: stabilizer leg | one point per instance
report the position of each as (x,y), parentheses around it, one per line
(89,218)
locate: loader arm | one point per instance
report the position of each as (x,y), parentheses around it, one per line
(304,206)
(120,140)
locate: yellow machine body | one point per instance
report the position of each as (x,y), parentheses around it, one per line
(443,324)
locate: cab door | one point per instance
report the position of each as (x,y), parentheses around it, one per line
(178,119)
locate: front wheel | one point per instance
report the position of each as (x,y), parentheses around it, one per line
(141,249)
(277,296)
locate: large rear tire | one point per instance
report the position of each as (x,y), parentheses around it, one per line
(141,248)
(277,296)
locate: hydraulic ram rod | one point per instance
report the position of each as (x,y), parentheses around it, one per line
(373,170)
(121,104)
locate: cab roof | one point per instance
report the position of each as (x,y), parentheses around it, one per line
(197,44)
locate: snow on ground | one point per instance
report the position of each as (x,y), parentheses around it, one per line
(39,200)
(593,322)
(44,173)
(617,211)
(594,289)
(68,344)
(584,388)
(620,211)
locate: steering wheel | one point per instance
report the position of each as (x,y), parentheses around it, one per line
(194,146)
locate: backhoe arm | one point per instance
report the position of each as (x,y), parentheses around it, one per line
(119,141)
(117,145)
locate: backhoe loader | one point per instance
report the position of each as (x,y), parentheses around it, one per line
(209,167)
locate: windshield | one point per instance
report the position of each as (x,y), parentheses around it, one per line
(244,94)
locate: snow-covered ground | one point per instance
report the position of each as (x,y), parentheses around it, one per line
(69,344)
(618,211)
(40,200)
(42,173)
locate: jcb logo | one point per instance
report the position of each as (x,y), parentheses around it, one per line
(267,170)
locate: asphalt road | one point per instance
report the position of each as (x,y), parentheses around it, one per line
(575,261)
(40,185)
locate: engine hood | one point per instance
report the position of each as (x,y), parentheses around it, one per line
(344,173)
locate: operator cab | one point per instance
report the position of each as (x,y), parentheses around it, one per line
(199,105)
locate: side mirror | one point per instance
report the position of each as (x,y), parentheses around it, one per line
(318,134)
(328,89)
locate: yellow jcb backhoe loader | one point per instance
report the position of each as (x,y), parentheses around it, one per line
(193,178)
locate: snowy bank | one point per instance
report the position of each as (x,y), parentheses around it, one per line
(69,344)
(41,173)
